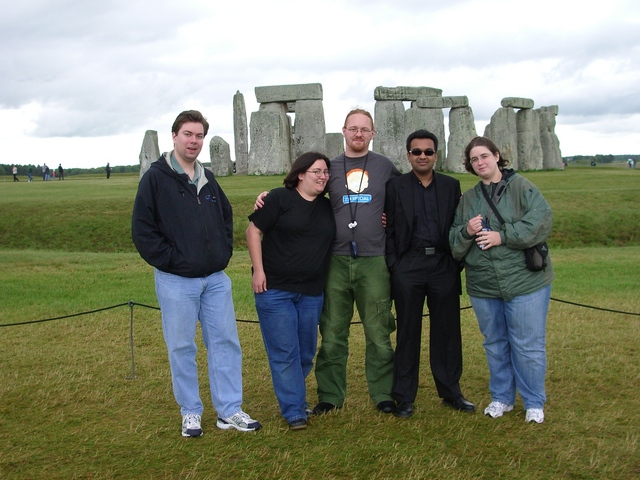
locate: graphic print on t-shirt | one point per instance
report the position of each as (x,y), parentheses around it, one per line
(357,181)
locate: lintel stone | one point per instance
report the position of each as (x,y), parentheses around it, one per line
(289,93)
(442,102)
(405,94)
(517,102)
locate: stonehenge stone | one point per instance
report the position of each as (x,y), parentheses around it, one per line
(503,132)
(390,132)
(529,147)
(516,102)
(462,129)
(406,94)
(431,119)
(442,102)
(334,145)
(551,155)
(220,154)
(240,134)
(270,130)
(149,152)
(309,128)
(289,93)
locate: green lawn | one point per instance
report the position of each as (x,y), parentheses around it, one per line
(68,408)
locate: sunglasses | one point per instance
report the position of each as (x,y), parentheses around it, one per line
(416,152)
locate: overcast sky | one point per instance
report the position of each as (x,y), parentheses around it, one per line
(81,81)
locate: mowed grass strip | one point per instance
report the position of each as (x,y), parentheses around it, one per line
(591,206)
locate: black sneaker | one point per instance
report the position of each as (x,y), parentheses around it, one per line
(386,406)
(299,424)
(324,407)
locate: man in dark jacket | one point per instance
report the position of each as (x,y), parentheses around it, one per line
(420,207)
(183,226)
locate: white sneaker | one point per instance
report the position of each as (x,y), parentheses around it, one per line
(240,421)
(534,415)
(497,409)
(191,425)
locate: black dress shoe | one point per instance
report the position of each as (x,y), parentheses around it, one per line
(386,406)
(404,410)
(324,407)
(459,403)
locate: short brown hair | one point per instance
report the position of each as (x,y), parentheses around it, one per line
(189,116)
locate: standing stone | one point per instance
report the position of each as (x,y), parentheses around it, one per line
(220,154)
(270,152)
(150,151)
(309,128)
(334,144)
(240,134)
(462,129)
(389,141)
(431,119)
(503,132)
(551,154)
(529,147)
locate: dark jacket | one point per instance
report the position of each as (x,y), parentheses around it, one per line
(179,228)
(400,212)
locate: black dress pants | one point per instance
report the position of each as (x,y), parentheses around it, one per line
(436,277)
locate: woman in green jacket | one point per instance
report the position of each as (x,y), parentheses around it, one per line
(509,300)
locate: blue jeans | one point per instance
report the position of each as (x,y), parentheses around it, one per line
(514,341)
(289,325)
(183,301)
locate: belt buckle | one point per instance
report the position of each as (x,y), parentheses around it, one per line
(429,250)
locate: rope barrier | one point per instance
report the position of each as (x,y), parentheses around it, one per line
(131,304)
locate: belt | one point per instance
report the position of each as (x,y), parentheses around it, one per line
(423,250)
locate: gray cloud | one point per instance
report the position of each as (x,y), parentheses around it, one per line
(107,68)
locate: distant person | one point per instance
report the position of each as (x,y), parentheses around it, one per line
(183,226)
(108,170)
(289,242)
(44,172)
(593,163)
(509,300)
(60,172)
(15,174)
(30,173)
(47,173)
(420,208)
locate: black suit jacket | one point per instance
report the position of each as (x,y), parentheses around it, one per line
(399,209)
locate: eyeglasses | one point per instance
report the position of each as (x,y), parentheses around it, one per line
(320,173)
(354,130)
(416,152)
(482,157)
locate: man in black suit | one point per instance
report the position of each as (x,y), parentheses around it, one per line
(420,207)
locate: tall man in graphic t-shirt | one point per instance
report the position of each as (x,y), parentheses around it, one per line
(357,272)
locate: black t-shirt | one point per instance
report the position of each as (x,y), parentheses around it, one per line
(296,241)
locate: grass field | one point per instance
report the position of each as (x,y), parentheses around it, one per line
(69,409)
